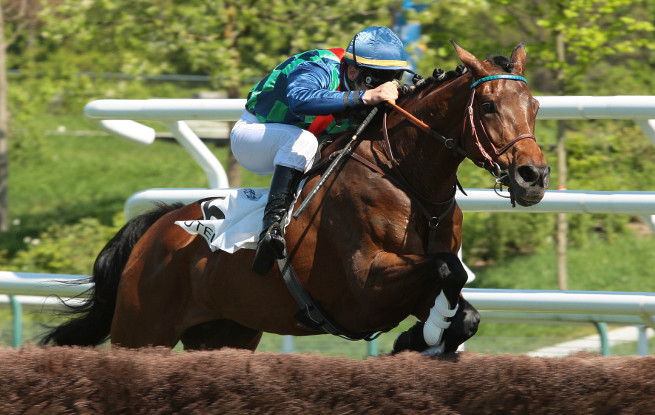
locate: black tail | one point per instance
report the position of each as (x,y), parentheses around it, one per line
(92,323)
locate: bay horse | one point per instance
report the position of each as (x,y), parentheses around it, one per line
(377,244)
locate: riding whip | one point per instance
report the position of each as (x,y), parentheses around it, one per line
(334,164)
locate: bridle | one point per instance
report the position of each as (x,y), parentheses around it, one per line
(487,162)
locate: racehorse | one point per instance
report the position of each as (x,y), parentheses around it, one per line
(377,243)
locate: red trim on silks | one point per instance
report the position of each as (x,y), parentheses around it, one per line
(321,122)
(338,51)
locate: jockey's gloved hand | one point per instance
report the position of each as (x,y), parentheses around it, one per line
(388,91)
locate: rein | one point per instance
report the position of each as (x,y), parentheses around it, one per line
(448,142)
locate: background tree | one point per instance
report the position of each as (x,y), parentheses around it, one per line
(565,40)
(571,38)
(17,17)
(235,42)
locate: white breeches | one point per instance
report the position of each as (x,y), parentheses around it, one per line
(259,147)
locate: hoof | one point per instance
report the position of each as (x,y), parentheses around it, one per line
(437,350)
(410,340)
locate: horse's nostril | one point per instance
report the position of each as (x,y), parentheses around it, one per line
(529,174)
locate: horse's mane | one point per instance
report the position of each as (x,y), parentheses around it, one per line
(439,76)
(503,62)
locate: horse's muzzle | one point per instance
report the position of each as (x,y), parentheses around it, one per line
(528,183)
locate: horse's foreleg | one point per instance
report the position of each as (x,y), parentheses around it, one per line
(428,336)
(463,325)
(454,276)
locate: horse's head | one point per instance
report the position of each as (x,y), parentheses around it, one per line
(499,125)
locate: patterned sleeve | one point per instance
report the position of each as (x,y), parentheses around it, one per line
(312,90)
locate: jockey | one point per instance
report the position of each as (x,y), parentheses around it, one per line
(289,109)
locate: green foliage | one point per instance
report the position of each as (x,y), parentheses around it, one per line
(65,249)
(229,40)
(606,155)
(495,236)
(592,30)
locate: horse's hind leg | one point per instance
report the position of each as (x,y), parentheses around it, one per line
(220,333)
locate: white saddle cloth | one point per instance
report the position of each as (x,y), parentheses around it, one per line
(232,220)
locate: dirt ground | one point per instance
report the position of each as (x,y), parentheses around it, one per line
(60,380)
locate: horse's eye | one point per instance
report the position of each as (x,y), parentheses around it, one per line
(488,107)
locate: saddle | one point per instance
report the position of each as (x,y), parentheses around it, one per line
(231,220)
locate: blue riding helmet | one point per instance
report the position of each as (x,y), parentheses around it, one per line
(377,47)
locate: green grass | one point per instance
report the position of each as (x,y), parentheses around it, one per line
(630,349)
(623,264)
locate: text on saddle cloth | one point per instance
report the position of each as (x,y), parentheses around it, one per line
(232,220)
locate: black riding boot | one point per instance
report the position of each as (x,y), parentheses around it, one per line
(271,245)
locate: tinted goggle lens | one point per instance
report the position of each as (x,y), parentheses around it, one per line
(373,79)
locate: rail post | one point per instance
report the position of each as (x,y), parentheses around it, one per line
(604,339)
(642,341)
(17,318)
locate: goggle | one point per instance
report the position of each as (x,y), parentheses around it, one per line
(373,78)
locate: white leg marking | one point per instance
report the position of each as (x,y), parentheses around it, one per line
(436,323)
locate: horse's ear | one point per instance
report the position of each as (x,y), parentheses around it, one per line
(471,62)
(518,58)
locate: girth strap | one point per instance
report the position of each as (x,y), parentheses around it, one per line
(311,313)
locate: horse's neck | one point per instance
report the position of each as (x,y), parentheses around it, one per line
(443,107)
(423,157)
